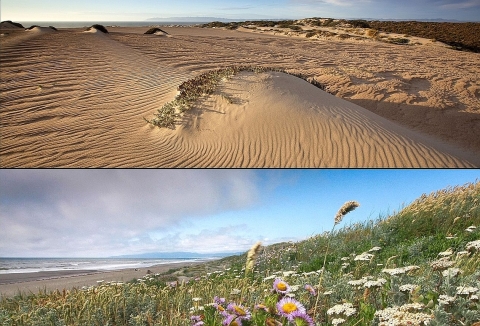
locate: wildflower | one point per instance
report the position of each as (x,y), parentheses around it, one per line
(441,264)
(400,270)
(301,319)
(239,311)
(310,289)
(235,292)
(445,300)
(271,277)
(328,293)
(452,272)
(197,320)
(251,257)
(407,288)
(261,307)
(471,228)
(346,309)
(375,249)
(473,245)
(219,300)
(375,284)
(401,316)
(446,253)
(288,273)
(281,286)
(287,306)
(466,290)
(231,320)
(337,321)
(344,210)
(364,257)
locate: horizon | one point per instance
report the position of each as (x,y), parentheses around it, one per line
(130,212)
(107,10)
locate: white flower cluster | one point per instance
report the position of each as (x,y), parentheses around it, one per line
(397,316)
(473,245)
(375,284)
(360,282)
(408,288)
(446,253)
(452,272)
(466,290)
(346,309)
(400,270)
(364,257)
(441,264)
(375,249)
(445,300)
(471,228)
(337,321)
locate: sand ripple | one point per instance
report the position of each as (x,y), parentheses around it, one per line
(78,99)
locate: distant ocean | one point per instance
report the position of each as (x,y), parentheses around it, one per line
(32,265)
(79,24)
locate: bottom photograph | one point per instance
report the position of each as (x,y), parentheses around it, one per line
(234,247)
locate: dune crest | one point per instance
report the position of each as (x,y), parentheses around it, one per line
(277,120)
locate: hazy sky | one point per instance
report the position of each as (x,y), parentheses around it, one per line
(138,10)
(98,213)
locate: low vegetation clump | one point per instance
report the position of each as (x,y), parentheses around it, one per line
(101,28)
(418,266)
(461,36)
(154,30)
(13,23)
(205,84)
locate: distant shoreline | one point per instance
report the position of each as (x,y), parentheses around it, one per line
(15,283)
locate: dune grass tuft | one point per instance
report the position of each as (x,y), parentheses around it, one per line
(205,84)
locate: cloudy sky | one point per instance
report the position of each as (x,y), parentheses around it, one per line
(99,213)
(138,10)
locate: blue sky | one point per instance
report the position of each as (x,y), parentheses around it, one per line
(138,10)
(99,213)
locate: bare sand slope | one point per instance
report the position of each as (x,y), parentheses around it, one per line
(78,99)
(278,120)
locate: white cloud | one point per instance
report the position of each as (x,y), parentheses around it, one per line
(449,5)
(98,212)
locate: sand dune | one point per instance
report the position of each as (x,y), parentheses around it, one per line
(78,99)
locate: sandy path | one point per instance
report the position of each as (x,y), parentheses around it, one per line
(78,99)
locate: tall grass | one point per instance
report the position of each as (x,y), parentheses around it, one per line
(418,266)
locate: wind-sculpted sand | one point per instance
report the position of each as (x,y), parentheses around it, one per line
(69,98)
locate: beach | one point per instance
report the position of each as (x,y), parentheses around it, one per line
(70,98)
(26,283)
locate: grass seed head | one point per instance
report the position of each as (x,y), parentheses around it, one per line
(344,210)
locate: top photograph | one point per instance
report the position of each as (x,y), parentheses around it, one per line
(240,84)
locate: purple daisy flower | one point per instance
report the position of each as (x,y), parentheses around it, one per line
(280,286)
(301,319)
(239,311)
(287,306)
(197,320)
(232,320)
(310,289)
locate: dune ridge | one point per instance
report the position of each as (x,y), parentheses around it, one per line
(78,99)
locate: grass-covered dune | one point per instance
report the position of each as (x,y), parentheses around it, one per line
(419,266)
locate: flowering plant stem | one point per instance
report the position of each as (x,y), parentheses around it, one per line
(321,274)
